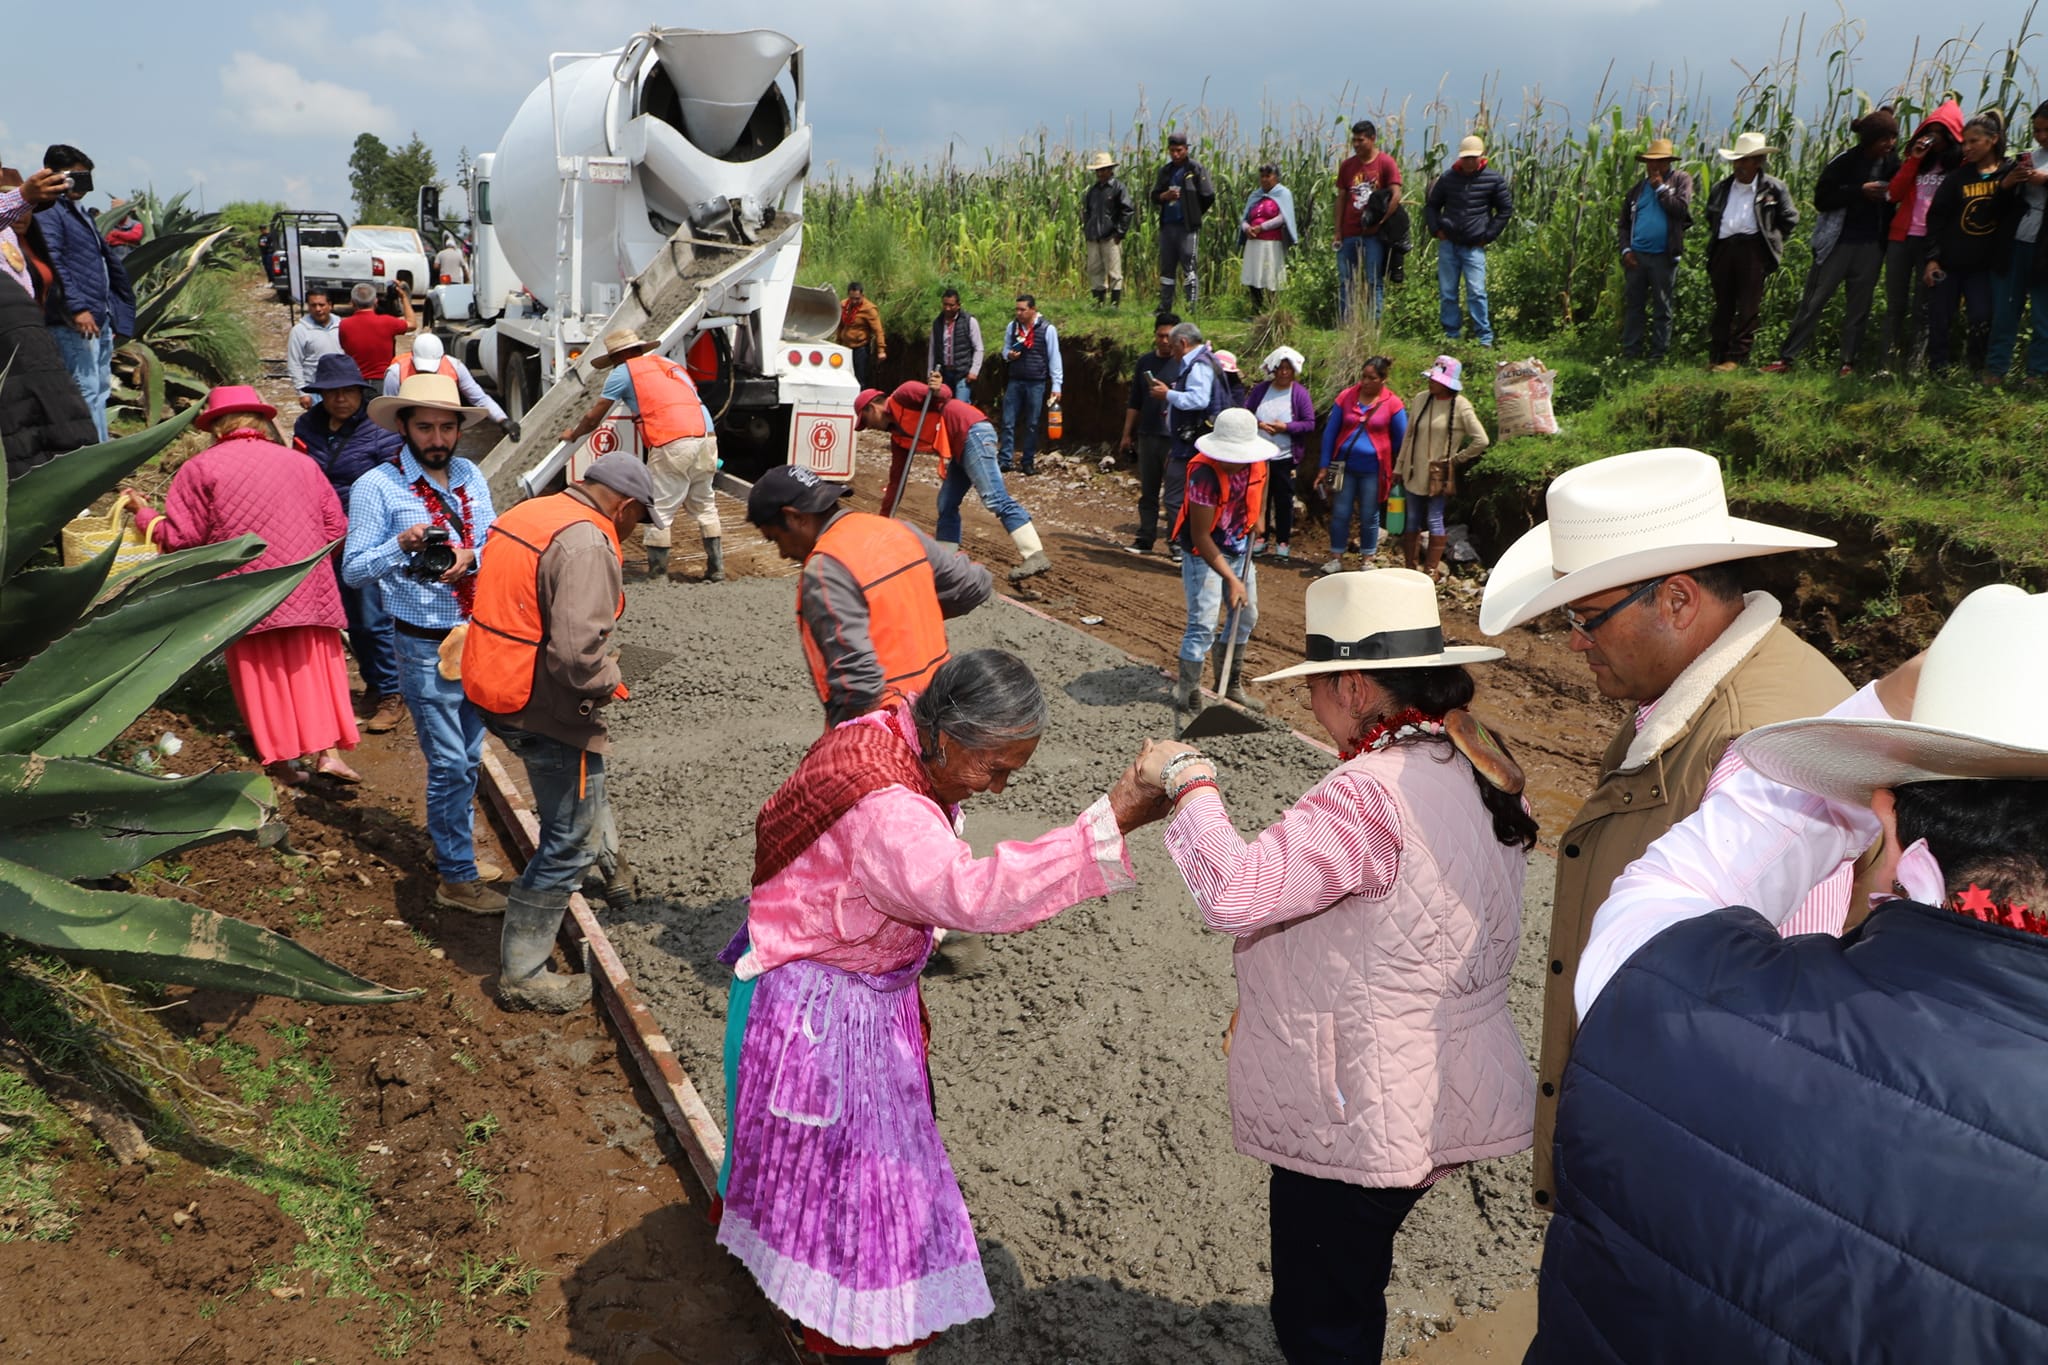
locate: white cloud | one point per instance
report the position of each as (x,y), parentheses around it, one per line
(275,99)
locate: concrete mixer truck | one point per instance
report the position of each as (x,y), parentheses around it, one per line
(658,186)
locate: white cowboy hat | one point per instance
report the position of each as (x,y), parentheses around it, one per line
(1236,439)
(428,390)
(1619,521)
(1101,161)
(1976,714)
(1384,619)
(1747,144)
(620,345)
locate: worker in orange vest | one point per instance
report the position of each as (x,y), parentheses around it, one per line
(875,593)
(537,662)
(676,434)
(428,356)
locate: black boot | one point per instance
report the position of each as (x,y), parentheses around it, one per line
(1098,293)
(714,559)
(1166,296)
(1116,298)
(1232,686)
(657,563)
(524,945)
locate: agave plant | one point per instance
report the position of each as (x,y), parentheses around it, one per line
(93,661)
(186,337)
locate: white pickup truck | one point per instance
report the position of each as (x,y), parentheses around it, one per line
(369,254)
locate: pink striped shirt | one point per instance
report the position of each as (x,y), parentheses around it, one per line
(1826,908)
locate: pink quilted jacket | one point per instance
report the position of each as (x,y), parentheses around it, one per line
(246,485)
(1374,1042)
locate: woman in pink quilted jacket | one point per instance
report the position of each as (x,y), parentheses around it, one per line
(289,678)
(1372,1050)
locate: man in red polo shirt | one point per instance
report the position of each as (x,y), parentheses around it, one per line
(367,335)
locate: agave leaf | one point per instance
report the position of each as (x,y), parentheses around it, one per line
(157,250)
(77,818)
(165,572)
(149,378)
(153,309)
(42,500)
(168,940)
(80,693)
(38,605)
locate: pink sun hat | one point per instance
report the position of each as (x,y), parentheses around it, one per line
(1446,372)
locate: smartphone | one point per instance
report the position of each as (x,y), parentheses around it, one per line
(79,182)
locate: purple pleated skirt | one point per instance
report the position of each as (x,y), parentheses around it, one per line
(841,1200)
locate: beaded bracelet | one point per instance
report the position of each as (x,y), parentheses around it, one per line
(1177,762)
(1184,788)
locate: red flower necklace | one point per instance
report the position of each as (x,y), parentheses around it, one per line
(1397,726)
(1978,905)
(437,512)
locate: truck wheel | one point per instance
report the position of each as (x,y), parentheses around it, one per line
(518,396)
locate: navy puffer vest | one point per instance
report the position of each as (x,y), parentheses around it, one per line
(1807,1149)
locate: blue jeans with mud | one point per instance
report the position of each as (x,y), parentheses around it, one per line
(1203,587)
(451,734)
(975,467)
(568,796)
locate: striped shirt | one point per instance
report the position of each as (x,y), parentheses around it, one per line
(383,503)
(1826,908)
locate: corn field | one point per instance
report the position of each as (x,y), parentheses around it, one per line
(1011,222)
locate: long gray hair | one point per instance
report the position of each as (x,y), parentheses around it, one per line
(983,699)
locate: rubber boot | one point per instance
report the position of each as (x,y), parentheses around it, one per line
(1116,298)
(1166,296)
(1231,687)
(1098,293)
(1033,551)
(1434,564)
(714,559)
(1188,691)
(657,563)
(524,980)
(1411,548)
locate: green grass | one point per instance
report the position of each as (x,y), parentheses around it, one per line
(30,1206)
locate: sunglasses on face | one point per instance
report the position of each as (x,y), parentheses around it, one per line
(1586,625)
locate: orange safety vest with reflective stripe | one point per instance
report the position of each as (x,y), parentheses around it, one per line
(407,367)
(903,426)
(502,651)
(1254,490)
(670,409)
(905,626)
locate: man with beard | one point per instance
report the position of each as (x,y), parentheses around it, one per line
(416,527)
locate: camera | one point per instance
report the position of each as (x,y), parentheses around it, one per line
(78,181)
(434,558)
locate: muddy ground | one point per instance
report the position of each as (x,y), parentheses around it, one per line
(1079,1081)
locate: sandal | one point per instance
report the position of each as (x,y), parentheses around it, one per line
(339,771)
(286,774)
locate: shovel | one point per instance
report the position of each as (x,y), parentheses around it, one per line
(899,469)
(1224,718)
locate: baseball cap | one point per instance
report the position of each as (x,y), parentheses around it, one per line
(626,476)
(790,486)
(860,406)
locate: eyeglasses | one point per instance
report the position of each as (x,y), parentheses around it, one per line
(1587,625)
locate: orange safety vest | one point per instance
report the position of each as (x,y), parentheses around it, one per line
(408,367)
(669,407)
(903,427)
(1254,490)
(502,651)
(905,626)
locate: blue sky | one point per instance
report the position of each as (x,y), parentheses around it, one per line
(264,101)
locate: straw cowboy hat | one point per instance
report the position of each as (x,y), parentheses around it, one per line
(1622,520)
(1101,161)
(1236,439)
(421,391)
(1977,712)
(1384,619)
(1471,146)
(621,344)
(1660,149)
(1748,144)
(227,399)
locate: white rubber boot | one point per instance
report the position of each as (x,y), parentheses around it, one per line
(1032,550)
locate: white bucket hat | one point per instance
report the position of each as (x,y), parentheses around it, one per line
(1289,354)
(1236,439)
(1622,520)
(1746,144)
(1977,712)
(1384,619)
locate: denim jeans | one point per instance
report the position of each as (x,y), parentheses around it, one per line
(1452,262)
(451,735)
(1204,589)
(976,466)
(1360,495)
(91,363)
(956,380)
(2013,290)
(1023,401)
(370,637)
(1646,296)
(568,796)
(1363,261)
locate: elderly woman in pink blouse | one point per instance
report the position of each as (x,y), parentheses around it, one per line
(1372,1050)
(837,1192)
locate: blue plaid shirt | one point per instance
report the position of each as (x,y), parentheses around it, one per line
(381,505)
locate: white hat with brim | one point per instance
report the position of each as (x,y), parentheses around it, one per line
(621,344)
(1387,618)
(1977,713)
(1621,521)
(422,391)
(1746,145)
(1236,439)
(1101,161)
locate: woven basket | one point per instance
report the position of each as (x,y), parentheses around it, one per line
(85,537)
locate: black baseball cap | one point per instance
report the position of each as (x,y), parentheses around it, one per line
(790,486)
